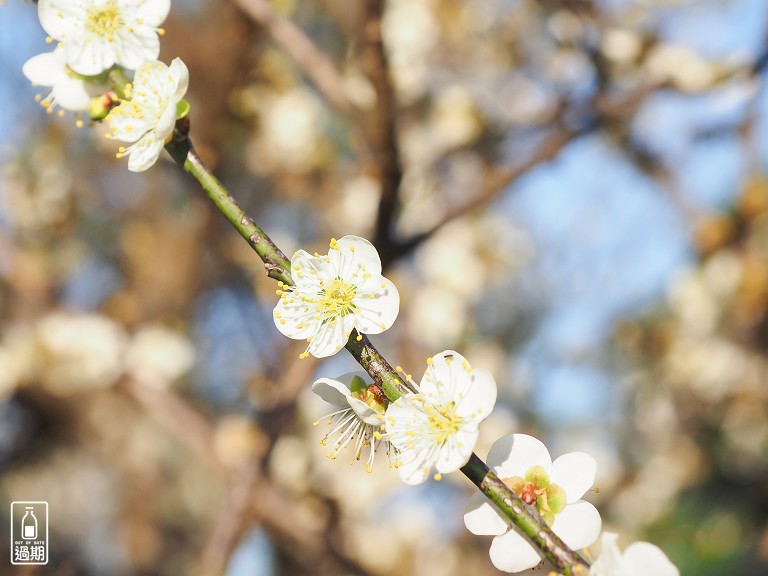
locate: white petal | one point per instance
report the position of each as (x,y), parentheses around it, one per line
(133,48)
(365,412)
(180,74)
(331,336)
(574,473)
(295,318)
(145,154)
(578,524)
(481,517)
(71,94)
(610,562)
(302,266)
(416,464)
(59,17)
(447,373)
(513,455)
(45,69)
(457,450)
(374,315)
(154,12)
(642,558)
(512,553)
(355,254)
(477,400)
(166,123)
(88,56)
(332,391)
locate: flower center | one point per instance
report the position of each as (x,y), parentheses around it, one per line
(536,489)
(104,20)
(336,299)
(443,421)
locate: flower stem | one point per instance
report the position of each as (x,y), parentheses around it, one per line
(523,516)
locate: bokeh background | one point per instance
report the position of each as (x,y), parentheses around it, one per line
(570,193)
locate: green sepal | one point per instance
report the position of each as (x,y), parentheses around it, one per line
(358,386)
(537,476)
(182,109)
(556,498)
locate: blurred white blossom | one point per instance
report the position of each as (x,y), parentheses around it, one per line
(148,118)
(158,356)
(96,34)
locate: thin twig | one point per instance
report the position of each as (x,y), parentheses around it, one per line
(312,61)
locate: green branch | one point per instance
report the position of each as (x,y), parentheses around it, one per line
(524,517)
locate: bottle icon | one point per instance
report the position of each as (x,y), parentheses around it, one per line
(29,524)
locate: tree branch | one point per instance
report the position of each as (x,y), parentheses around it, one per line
(527,520)
(312,61)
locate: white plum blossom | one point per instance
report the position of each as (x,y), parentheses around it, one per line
(359,418)
(554,488)
(335,294)
(148,118)
(69,91)
(639,559)
(97,34)
(438,426)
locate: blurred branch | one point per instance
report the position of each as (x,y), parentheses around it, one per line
(313,62)
(520,514)
(497,180)
(380,122)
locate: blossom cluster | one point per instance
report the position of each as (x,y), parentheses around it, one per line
(436,426)
(428,431)
(99,44)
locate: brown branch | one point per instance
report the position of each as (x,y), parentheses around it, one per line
(496,181)
(312,61)
(380,122)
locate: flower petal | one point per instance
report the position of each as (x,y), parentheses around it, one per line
(353,257)
(415,465)
(610,561)
(642,558)
(578,524)
(154,12)
(59,17)
(476,401)
(45,69)
(180,74)
(332,391)
(365,412)
(377,309)
(71,94)
(575,473)
(145,153)
(512,553)
(331,336)
(446,373)
(513,455)
(481,517)
(457,449)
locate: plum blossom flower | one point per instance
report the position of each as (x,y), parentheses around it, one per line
(359,418)
(639,559)
(438,426)
(96,34)
(69,91)
(335,294)
(148,118)
(555,488)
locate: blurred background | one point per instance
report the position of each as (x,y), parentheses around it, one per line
(570,193)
